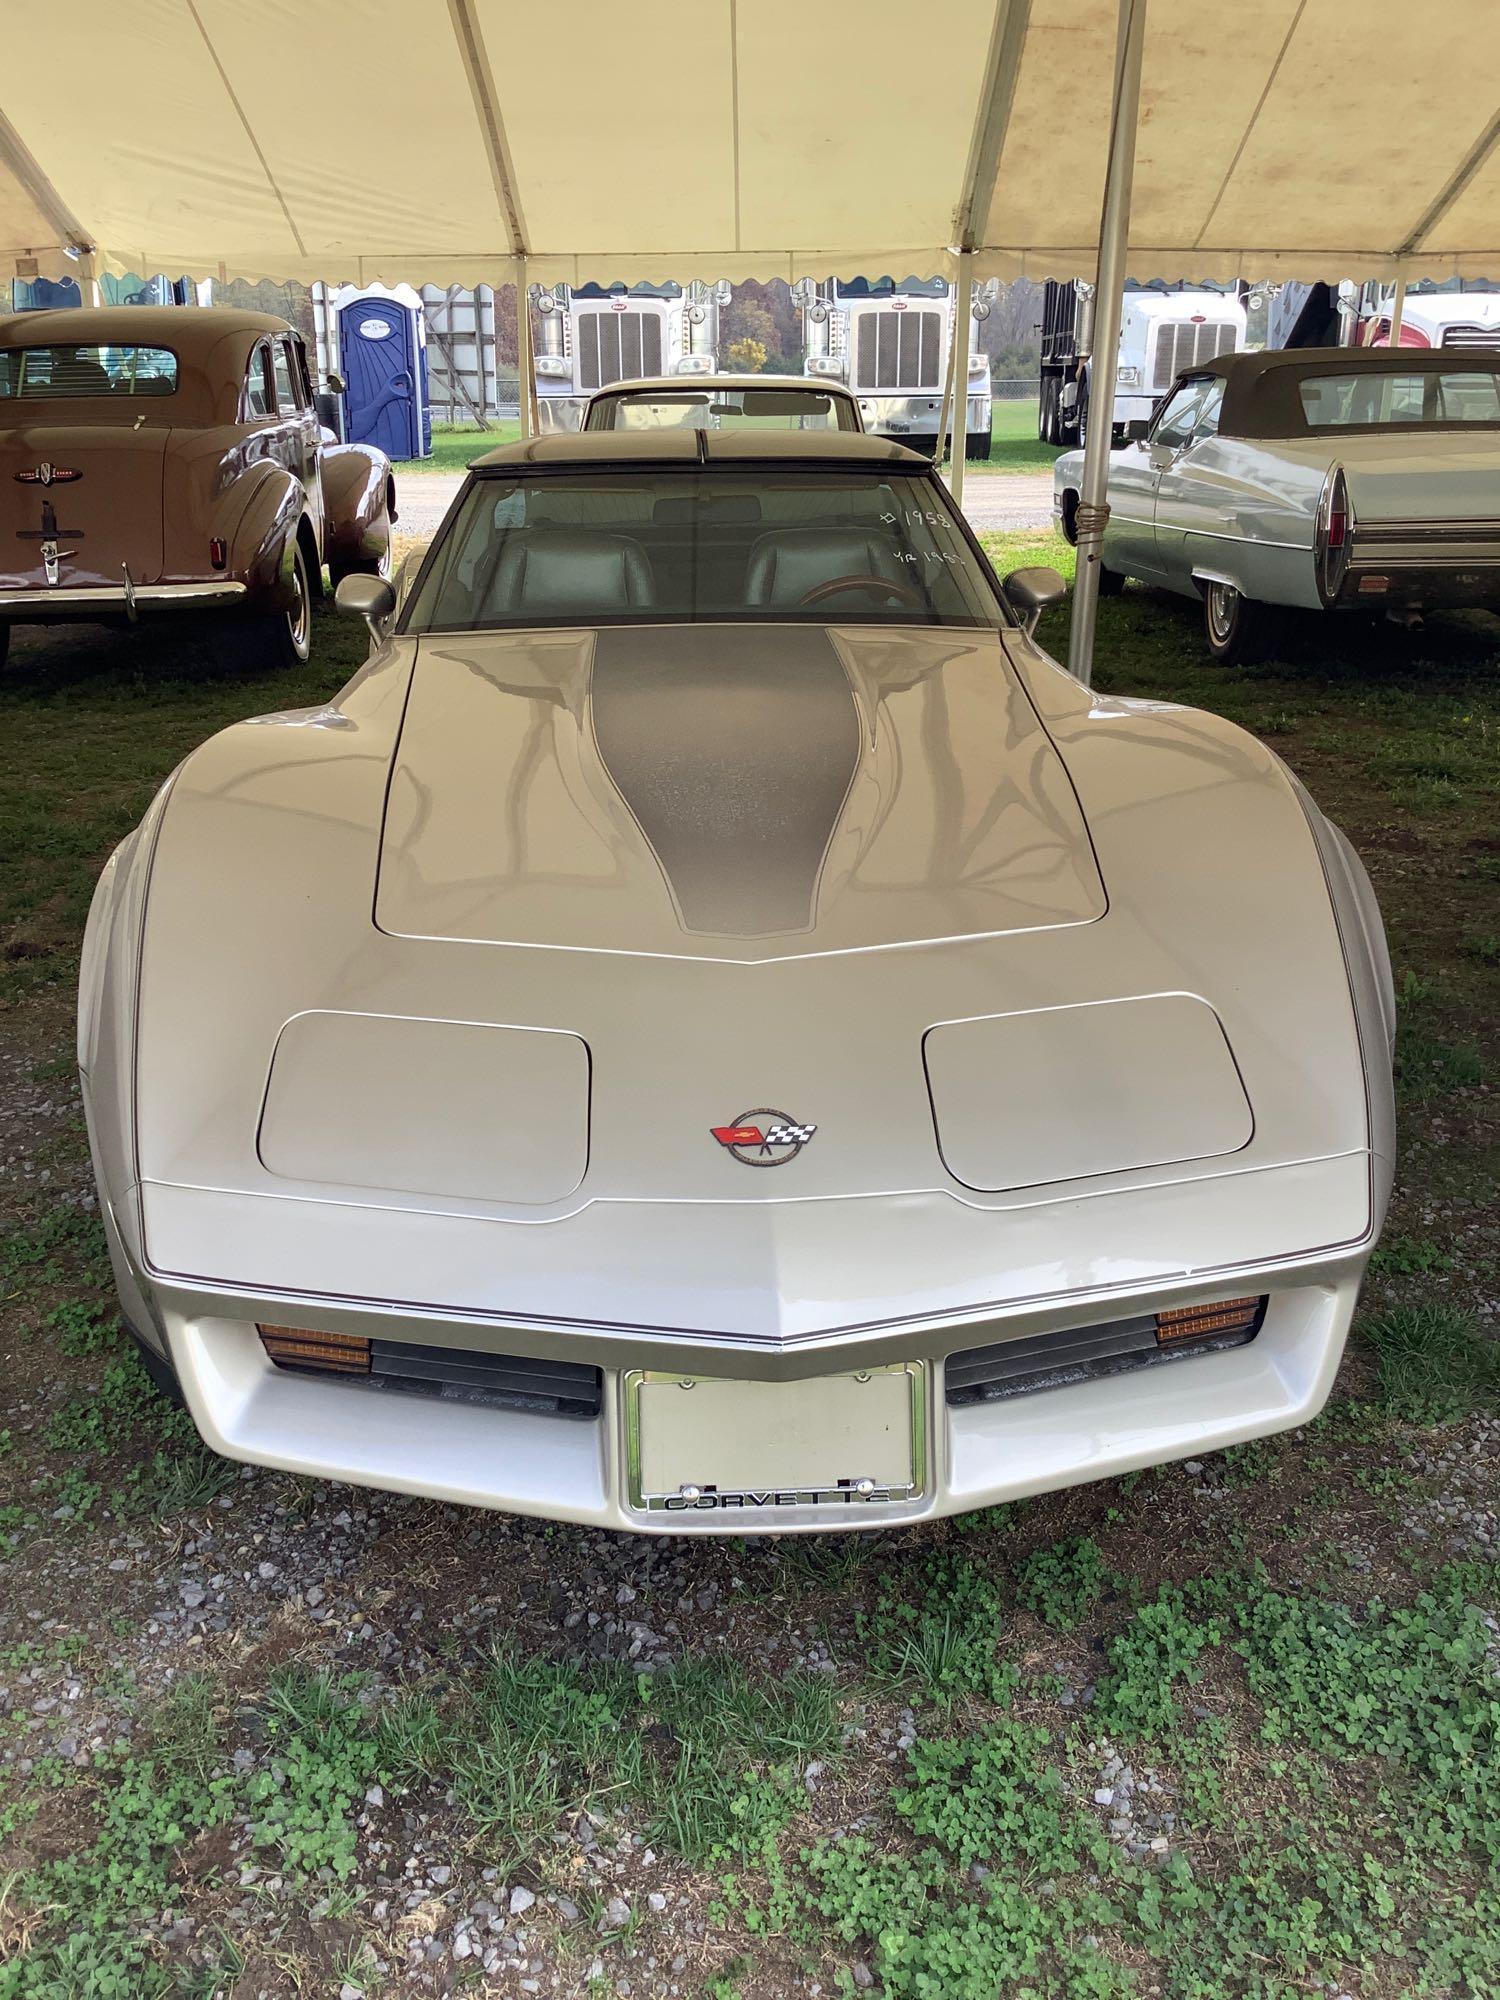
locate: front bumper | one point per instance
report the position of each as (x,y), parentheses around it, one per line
(974,1454)
(42,604)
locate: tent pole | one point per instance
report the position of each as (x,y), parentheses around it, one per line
(1398,306)
(1114,239)
(963,316)
(525,361)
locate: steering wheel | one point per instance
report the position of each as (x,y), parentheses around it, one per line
(894,585)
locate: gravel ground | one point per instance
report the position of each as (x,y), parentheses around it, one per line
(992,500)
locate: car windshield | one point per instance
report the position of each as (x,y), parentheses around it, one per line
(721,409)
(647,546)
(1402,400)
(87,370)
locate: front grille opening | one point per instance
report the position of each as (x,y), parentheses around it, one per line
(457,1374)
(1090,1353)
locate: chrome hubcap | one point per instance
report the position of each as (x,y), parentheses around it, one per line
(300,616)
(1222,600)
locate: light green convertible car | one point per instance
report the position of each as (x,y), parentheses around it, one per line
(1319,478)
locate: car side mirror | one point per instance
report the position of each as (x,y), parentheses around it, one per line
(369,597)
(1136,430)
(1033,591)
(336,382)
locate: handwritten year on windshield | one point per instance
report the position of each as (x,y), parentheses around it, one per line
(928,555)
(918,516)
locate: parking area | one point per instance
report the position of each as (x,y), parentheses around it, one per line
(1232,1722)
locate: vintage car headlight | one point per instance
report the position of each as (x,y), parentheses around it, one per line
(825,364)
(1128,376)
(555,366)
(696,364)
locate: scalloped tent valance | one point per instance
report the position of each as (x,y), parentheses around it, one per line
(437,140)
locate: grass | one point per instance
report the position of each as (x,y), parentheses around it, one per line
(1278,1650)
(454,445)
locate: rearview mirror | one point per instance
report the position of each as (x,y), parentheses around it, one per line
(336,382)
(369,597)
(1135,431)
(1032,591)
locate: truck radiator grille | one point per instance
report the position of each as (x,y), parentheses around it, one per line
(899,350)
(1180,344)
(617,347)
(1085,1353)
(546,1388)
(1471,336)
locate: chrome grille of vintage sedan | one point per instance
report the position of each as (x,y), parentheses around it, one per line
(617,347)
(899,350)
(1471,336)
(1182,343)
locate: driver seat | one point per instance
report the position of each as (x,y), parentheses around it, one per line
(786,563)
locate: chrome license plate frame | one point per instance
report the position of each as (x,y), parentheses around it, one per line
(806,1433)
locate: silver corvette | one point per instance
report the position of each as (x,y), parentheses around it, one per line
(713,1029)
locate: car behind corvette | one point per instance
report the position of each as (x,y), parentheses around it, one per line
(713,1029)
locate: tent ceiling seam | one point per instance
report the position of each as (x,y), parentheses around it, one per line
(991,121)
(1253,121)
(22,163)
(239,112)
(1467,168)
(476,62)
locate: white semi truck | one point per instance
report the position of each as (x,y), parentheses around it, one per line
(588,336)
(1162,331)
(889,343)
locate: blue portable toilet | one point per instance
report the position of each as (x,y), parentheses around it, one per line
(382,346)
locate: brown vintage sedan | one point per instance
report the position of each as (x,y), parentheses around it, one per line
(167,459)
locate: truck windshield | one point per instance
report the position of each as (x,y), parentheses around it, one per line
(650,546)
(722,409)
(87,370)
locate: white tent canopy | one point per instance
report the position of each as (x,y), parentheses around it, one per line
(437,140)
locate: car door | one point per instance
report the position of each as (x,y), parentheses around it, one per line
(1189,492)
(1134,473)
(298,423)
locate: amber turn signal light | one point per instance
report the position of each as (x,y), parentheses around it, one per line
(335,1353)
(1223,1316)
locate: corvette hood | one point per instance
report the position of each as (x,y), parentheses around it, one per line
(727,791)
(448,991)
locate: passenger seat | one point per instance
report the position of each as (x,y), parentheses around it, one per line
(556,572)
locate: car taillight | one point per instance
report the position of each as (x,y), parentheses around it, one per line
(1333,534)
(218,552)
(1223,1317)
(297,1347)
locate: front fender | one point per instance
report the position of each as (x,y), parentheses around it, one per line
(108,990)
(359,502)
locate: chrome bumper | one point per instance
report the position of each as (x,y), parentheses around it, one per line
(43,601)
